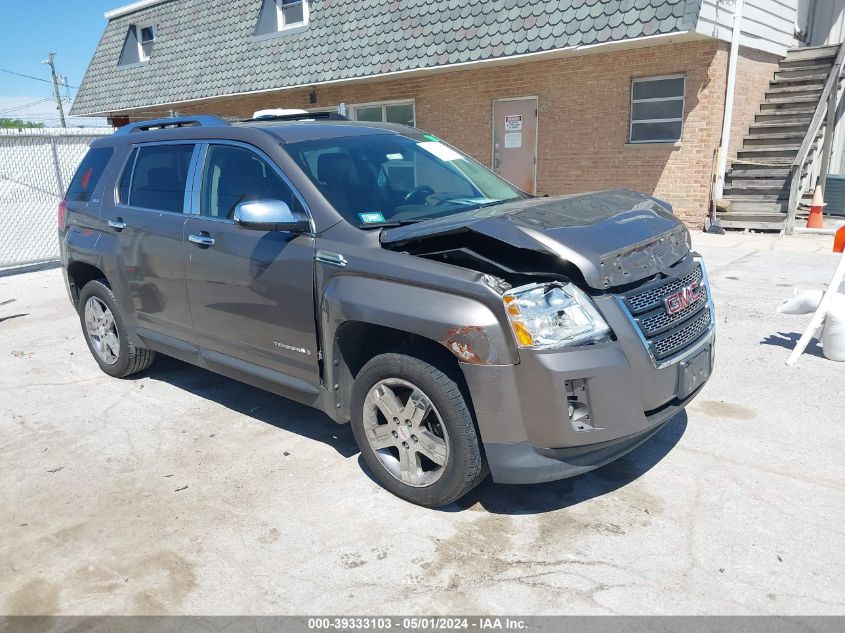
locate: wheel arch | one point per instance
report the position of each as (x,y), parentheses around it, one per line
(362,317)
(79,274)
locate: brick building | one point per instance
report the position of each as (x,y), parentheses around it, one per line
(557,95)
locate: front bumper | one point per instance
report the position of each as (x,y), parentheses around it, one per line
(525,417)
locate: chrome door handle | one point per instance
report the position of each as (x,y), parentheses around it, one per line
(117,223)
(202,240)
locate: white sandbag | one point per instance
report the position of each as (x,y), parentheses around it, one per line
(802,302)
(833,332)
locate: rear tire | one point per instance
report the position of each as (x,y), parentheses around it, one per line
(415,430)
(105,332)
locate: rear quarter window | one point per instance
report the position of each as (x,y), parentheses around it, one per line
(88,175)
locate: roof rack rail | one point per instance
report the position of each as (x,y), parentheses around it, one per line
(299,116)
(173,122)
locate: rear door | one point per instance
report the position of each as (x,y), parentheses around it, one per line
(251,292)
(515,141)
(147,218)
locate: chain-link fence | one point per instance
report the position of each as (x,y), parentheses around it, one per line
(36,167)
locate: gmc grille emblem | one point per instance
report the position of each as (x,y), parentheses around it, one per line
(684,298)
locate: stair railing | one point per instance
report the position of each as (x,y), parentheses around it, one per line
(824,115)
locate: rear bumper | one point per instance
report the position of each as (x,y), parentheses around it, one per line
(524,413)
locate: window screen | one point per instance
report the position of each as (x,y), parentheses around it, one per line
(88,174)
(291,12)
(158,180)
(657,109)
(234,175)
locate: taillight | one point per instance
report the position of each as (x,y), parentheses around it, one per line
(62,213)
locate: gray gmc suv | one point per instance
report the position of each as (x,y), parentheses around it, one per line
(378,274)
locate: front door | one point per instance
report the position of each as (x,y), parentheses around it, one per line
(147,221)
(515,141)
(251,292)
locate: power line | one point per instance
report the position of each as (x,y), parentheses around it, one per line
(49,81)
(25,106)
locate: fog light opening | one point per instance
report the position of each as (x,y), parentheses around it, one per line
(578,401)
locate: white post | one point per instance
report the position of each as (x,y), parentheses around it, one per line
(820,312)
(729,100)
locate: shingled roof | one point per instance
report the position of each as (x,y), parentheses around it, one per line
(207,48)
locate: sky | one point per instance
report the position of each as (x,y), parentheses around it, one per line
(70,28)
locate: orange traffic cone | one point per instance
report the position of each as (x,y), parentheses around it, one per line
(839,240)
(816,217)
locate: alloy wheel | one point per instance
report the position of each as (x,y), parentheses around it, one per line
(102,330)
(406,432)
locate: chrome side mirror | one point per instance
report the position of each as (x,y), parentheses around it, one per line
(270,215)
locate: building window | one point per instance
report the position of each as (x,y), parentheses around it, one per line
(282,16)
(292,13)
(146,39)
(386,112)
(138,45)
(657,109)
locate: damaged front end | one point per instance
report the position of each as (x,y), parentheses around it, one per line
(596,241)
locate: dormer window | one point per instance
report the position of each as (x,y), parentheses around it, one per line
(282,16)
(292,13)
(138,45)
(146,39)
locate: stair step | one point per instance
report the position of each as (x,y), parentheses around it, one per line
(766,222)
(742,173)
(796,101)
(822,70)
(761,129)
(758,206)
(754,140)
(811,53)
(739,193)
(782,92)
(797,64)
(777,124)
(814,79)
(763,152)
(757,183)
(787,116)
(776,162)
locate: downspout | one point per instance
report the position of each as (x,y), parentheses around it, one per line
(722,163)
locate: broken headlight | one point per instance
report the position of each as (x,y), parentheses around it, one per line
(550,315)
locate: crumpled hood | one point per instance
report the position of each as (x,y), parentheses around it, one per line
(613,237)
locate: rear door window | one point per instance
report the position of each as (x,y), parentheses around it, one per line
(88,175)
(158,179)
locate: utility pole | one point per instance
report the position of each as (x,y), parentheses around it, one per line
(49,62)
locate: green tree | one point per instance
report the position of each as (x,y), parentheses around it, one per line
(18,123)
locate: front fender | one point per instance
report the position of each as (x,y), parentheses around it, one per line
(465,326)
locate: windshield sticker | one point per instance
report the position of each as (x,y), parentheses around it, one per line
(431,137)
(440,150)
(371,218)
(394,157)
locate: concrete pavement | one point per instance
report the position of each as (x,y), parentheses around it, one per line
(180,491)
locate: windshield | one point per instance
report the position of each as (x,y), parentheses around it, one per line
(389,179)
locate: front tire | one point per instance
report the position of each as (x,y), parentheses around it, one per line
(105,332)
(415,430)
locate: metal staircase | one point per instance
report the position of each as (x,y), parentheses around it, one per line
(787,146)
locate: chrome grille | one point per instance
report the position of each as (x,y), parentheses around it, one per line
(675,341)
(660,320)
(642,301)
(666,335)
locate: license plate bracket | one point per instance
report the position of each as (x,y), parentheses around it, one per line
(694,372)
